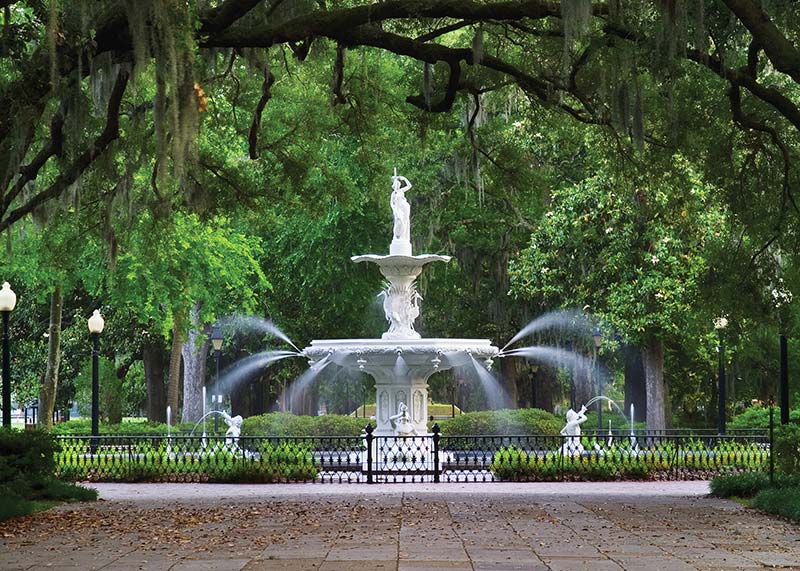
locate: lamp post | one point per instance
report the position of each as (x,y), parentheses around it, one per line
(784,379)
(8,299)
(597,337)
(572,396)
(216,344)
(96,324)
(720,323)
(533,370)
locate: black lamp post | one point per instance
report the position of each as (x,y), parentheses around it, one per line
(597,337)
(720,323)
(784,380)
(216,344)
(532,375)
(96,324)
(572,395)
(8,299)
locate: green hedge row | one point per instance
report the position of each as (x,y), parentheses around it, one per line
(521,421)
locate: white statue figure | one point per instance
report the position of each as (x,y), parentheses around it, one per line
(401,208)
(401,422)
(572,446)
(234,428)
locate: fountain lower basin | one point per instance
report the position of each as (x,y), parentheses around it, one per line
(401,368)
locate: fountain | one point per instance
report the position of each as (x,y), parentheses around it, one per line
(401,361)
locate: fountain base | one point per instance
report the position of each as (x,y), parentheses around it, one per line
(401,368)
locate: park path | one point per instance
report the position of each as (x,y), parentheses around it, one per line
(662,526)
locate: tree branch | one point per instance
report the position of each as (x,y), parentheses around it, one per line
(109,133)
(780,51)
(28,172)
(266,95)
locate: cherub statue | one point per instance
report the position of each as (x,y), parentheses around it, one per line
(572,446)
(234,428)
(401,422)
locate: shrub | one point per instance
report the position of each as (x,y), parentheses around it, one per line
(502,422)
(288,424)
(748,484)
(513,464)
(27,463)
(786,447)
(780,501)
(758,417)
(83,426)
(26,458)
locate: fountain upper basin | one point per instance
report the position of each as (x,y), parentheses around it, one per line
(452,352)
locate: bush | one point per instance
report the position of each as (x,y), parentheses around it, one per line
(521,421)
(512,464)
(83,427)
(786,447)
(780,501)
(27,464)
(758,417)
(26,456)
(288,424)
(749,484)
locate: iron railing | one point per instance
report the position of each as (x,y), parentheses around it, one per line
(370,458)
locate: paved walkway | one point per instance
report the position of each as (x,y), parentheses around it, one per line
(401,527)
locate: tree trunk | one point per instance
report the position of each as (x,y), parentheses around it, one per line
(509,373)
(173,390)
(635,385)
(154,360)
(47,392)
(653,359)
(194,370)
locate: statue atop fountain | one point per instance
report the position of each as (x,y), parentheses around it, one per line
(401,241)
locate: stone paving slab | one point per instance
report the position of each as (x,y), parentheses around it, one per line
(474,527)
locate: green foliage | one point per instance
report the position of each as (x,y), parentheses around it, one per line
(502,422)
(786,447)
(185,460)
(27,464)
(784,501)
(288,424)
(748,484)
(620,461)
(651,233)
(26,456)
(758,417)
(111,391)
(83,426)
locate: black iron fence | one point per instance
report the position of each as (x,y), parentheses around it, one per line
(370,458)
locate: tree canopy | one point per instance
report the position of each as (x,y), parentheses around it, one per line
(159,158)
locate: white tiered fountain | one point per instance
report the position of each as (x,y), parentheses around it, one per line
(401,361)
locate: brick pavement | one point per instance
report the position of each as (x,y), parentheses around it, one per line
(419,527)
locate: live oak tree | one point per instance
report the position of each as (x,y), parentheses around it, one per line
(608,64)
(634,253)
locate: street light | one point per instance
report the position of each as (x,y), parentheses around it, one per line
(96,324)
(533,370)
(597,337)
(8,299)
(216,344)
(720,323)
